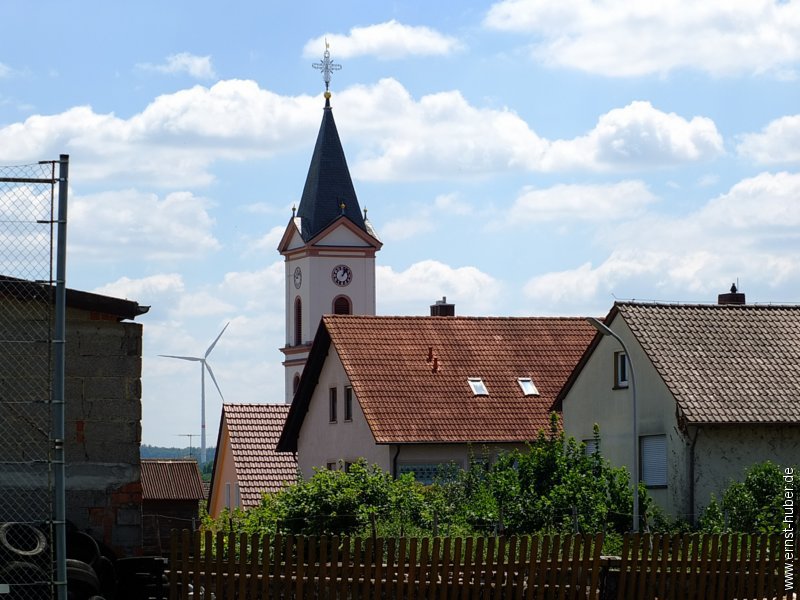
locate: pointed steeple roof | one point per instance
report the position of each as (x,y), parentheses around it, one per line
(328,184)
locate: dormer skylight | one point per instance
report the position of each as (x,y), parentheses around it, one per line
(528,387)
(477,386)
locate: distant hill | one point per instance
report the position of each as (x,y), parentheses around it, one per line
(163,452)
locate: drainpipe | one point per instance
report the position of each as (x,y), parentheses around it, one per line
(394,462)
(691,474)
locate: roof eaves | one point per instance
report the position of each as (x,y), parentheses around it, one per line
(305,390)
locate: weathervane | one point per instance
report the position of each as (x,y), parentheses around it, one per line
(326,66)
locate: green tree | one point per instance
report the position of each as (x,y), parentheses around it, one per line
(754,505)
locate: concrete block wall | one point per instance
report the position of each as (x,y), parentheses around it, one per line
(103,428)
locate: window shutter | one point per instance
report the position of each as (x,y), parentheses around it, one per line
(654,459)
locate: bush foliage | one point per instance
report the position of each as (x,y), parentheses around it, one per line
(552,485)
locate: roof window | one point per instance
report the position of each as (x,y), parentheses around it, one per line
(478,387)
(528,387)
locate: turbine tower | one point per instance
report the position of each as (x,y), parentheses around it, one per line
(203,367)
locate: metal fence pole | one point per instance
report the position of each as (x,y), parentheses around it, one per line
(59,341)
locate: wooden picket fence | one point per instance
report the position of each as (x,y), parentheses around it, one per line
(517,568)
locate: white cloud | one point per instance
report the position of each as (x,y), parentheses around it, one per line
(442,135)
(144,290)
(574,202)
(4,70)
(625,39)
(778,142)
(751,232)
(412,291)
(268,242)
(422,219)
(176,139)
(387,40)
(198,67)
(118,224)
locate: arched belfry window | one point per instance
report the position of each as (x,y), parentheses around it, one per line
(298,322)
(342,306)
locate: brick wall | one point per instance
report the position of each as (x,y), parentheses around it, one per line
(103,428)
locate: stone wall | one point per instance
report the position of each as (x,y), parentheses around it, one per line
(103,428)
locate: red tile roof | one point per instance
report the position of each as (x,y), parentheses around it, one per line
(254,430)
(164,479)
(406,399)
(723,363)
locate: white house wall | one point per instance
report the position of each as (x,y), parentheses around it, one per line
(593,399)
(321,442)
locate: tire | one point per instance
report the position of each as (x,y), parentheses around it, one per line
(81,546)
(22,540)
(82,581)
(107,575)
(27,581)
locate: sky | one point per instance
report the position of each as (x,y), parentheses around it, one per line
(520,157)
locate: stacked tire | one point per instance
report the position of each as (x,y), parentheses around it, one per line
(24,562)
(90,574)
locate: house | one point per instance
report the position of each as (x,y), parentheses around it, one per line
(171,495)
(246,464)
(717,390)
(411,393)
(103,362)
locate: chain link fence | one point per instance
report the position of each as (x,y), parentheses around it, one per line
(30,456)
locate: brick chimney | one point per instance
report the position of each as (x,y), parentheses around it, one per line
(734,297)
(443,309)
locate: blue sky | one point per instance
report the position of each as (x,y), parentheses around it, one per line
(519,157)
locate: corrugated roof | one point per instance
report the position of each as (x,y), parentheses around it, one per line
(254,430)
(406,399)
(171,480)
(724,363)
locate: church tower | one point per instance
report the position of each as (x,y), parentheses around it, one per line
(329,247)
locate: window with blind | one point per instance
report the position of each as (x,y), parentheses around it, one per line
(653,453)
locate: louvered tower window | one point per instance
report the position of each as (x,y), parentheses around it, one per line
(298,322)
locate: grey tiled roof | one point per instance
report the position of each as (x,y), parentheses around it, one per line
(724,364)
(328,183)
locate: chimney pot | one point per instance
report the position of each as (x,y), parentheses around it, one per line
(733,297)
(442,309)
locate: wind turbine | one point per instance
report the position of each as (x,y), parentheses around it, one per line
(203,367)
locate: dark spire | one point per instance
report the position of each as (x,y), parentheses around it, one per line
(328,183)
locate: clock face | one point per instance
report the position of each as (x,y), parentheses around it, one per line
(341,275)
(298,278)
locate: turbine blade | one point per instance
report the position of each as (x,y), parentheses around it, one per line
(214,343)
(193,358)
(214,379)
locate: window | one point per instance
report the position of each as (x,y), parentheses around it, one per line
(342,306)
(653,452)
(348,403)
(620,370)
(332,411)
(477,386)
(298,321)
(331,466)
(295,383)
(591,446)
(347,465)
(423,472)
(528,387)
